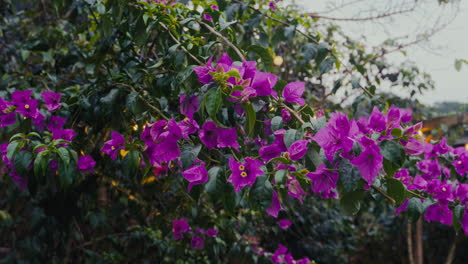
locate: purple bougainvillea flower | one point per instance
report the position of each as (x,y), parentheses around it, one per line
(419,183)
(269,152)
(369,163)
(275,206)
(196,174)
(207,17)
(293,91)
(66,134)
(431,168)
(439,212)
(415,147)
(163,152)
(4,105)
(21,181)
(203,72)
(188,127)
(28,109)
(244,174)
(377,121)
(86,163)
(323,180)
(39,121)
(165,131)
(56,123)
(285,115)
(443,191)
(284,224)
(405,115)
(112,147)
(197,242)
(228,138)
(7,119)
(295,189)
(263,83)
(337,135)
(188,106)
(214,7)
(209,134)
(212,232)
(52,100)
(464,222)
(403,207)
(462,193)
(278,256)
(461,164)
(393,117)
(272,5)
(19,98)
(298,149)
(404,176)
(179,227)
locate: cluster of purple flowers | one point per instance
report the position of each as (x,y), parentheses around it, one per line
(181,229)
(281,256)
(29,108)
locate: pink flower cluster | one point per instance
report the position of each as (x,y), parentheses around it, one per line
(181,230)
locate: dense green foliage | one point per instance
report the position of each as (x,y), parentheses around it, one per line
(122,64)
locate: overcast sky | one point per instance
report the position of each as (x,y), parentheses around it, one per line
(436,57)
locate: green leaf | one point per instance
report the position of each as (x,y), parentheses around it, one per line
(336,86)
(349,175)
(290,137)
(34,134)
(326,65)
(263,53)
(22,161)
(276,123)
(110,98)
(261,193)
(396,190)
(13,149)
(213,185)
(64,155)
(17,136)
(351,202)
(189,155)
(355,82)
(397,132)
(224,24)
(394,156)
(415,208)
(280,177)
(40,163)
(213,101)
(66,173)
(251,118)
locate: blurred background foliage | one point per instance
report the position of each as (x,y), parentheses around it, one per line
(115,60)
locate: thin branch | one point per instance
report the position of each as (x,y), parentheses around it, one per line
(181,46)
(157,110)
(409,241)
(315,15)
(298,117)
(229,43)
(384,194)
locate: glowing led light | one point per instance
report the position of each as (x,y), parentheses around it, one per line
(135,128)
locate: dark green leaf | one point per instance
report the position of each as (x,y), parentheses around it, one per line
(213,101)
(251,118)
(396,190)
(189,155)
(261,193)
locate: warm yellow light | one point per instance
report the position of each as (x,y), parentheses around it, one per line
(135,128)
(420,133)
(278,60)
(466,146)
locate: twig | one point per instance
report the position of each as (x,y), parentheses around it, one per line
(384,194)
(229,43)
(157,110)
(181,46)
(409,241)
(293,112)
(364,18)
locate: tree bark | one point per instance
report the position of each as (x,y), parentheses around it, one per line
(419,242)
(409,240)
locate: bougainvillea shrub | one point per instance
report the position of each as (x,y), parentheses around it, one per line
(153,142)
